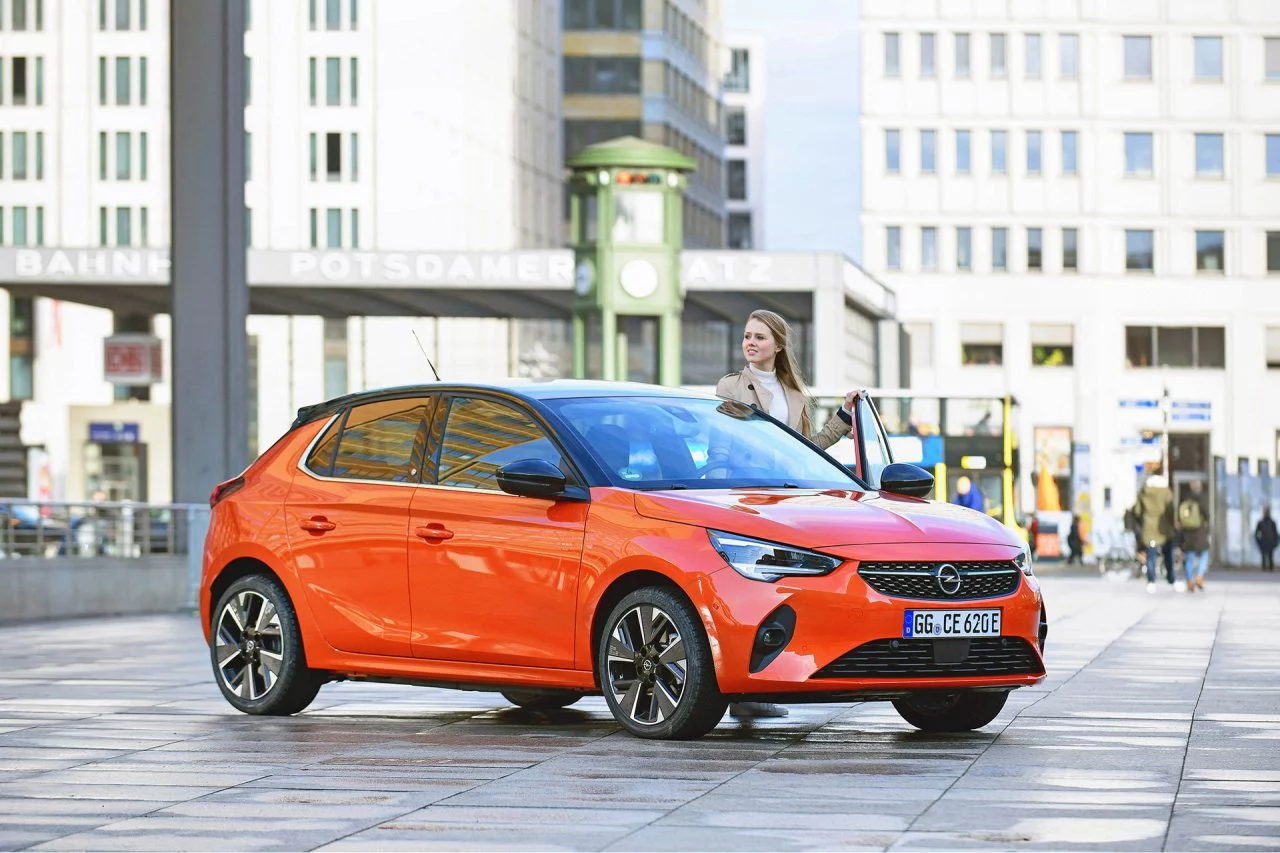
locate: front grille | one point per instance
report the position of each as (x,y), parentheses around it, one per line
(916,659)
(920,581)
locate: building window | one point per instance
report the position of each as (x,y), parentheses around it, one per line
(1272,51)
(1209,251)
(1175,346)
(1139,250)
(335,357)
(929,248)
(22,350)
(579,133)
(333,228)
(1035,246)
(735,123)
(962,54)
(963,152)
(1138,159)
(1070,249)
(999,151)
(1273,155)
(928,155)
(122,81)
(1033,56)
(1208,51)
(892,62)
(332,81)
(997,44)
(333,156)
(1068,56)
(1052,345)
(1033,152)
(603,15)
(740,231)
(964,249)
(19,155)
(981,343)
(20,226)
(602,75)
(927,66)
(920,341)
(124,170)
(1273,251)
(739,77)
(1273,350)
(1137,57)
(1070,156)
(893,247)
(1209,155)
(124,226)
(736,171)
(893,152)
(1000,249)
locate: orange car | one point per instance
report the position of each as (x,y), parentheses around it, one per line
(552,540)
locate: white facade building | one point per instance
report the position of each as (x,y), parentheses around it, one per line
(395,125)
(1078,202)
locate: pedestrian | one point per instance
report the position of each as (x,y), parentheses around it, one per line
(1154,512)
(1193,522)
(1033,531)
(1267,538)
(1075,548)
(967,495)
(772,381)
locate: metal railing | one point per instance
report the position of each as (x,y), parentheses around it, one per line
(99,528)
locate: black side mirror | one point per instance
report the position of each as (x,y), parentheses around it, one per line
(531,478)
(903,478)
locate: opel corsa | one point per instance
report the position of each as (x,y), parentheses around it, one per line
(554,540)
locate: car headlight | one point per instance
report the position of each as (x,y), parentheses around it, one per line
(768,561)
(1023,560)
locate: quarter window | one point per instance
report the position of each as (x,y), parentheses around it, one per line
(481,436)
(382,441)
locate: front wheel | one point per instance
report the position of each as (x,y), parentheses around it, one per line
(256,649)
(655,669)
(961,711)
(541,700)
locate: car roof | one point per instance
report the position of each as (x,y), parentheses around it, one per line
(527,389)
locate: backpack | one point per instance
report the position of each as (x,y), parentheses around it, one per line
(1189,516)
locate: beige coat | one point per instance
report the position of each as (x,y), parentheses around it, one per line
(742,388)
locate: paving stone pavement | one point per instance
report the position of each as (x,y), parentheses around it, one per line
(1158,728)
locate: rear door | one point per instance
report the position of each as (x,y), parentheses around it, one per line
(348,514)
(493,577)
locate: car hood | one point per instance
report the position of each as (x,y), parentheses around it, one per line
(827,518)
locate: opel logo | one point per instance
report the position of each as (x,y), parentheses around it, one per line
(948,577)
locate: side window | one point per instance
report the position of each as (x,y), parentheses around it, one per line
(321,459)
(481,436)
(877,445)
(382,441)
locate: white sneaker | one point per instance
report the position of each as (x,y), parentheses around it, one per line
(1151,587)
(1180,586)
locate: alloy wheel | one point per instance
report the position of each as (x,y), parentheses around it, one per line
(647,665)
(249,645)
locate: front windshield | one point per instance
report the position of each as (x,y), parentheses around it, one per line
(678,442)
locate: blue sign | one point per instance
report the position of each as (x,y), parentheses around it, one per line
(1139,404)
(1197,405)
(1202,417)
(114,433)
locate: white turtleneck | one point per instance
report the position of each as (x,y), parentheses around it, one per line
(777,397)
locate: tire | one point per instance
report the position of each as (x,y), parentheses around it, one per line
(655,669)
(541,700)
(961,711)
(256,650)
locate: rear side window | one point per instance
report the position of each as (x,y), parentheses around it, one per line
(481,436)
(381,441)
(321,459)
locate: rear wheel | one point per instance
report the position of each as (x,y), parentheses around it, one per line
(960,711)
(655,668)
(256,649)
(541,700)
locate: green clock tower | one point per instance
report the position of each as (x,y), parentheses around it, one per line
(625,216)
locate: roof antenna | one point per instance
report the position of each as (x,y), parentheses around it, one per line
(424,354)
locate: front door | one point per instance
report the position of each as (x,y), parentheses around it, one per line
(493,577)
(347,517)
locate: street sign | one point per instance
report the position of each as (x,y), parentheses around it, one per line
(1192,416)
(1192,405)
(1139,404)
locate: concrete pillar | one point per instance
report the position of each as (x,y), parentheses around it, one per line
(210,295)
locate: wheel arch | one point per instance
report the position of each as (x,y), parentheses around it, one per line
(241,567)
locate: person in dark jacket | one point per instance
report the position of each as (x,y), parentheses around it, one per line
(1193,524)
(1075,547)
(1266,536)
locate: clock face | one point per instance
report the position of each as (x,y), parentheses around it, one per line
(639,279)
(583,278)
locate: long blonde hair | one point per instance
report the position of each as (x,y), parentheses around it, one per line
(785,363)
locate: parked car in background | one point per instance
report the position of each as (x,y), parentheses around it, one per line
(551,540)
(26,530)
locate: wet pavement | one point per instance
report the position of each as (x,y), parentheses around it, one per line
(1158,728)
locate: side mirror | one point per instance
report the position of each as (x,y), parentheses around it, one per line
(532,478)
(903,478)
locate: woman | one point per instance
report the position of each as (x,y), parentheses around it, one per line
(772,381)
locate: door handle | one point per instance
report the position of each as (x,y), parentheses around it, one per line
(317,524)
(433,532)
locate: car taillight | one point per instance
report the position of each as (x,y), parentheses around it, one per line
(222,490)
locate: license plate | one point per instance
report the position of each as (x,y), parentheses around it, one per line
(951,623)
